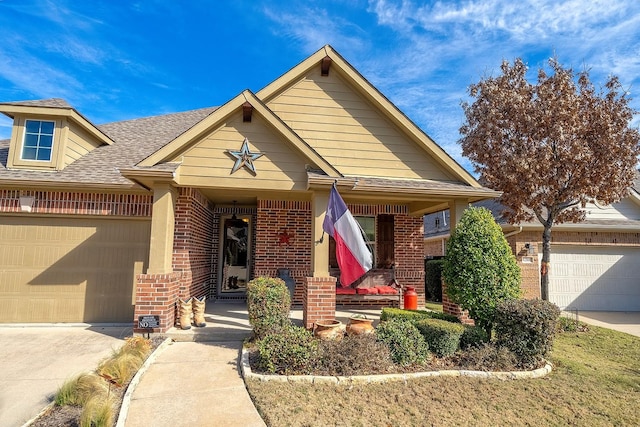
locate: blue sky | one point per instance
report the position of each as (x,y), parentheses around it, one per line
(117,60)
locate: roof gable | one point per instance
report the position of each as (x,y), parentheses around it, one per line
(377,122)
(172,151)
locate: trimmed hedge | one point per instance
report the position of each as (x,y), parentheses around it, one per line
(292,351)
(527,328)
(405,342)
(443,337)
(413,315)
(433,278)
(268,305)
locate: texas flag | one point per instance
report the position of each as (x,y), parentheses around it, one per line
(354,258)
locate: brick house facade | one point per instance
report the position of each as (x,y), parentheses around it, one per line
(135,215)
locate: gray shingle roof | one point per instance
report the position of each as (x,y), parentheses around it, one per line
(51,103)
(134,140)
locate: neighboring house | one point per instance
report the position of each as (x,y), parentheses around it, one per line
(107,223)
(595,265)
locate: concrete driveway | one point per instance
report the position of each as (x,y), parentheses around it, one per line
(623,321)
(36,360)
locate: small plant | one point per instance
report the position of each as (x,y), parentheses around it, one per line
(293,351)
(433,278)
(354,355)
(98,411)
(268,305)
(78,390)
(527,328)
(566,324)
(473,337)
(406,344)
(443,337)
(119,369)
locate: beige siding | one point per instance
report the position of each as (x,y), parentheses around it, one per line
(279,168)
(79,143)
(625,209)
(349,132)
(70,270)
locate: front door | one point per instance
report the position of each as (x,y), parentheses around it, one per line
(235,256)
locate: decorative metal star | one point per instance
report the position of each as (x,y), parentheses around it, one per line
(244,157)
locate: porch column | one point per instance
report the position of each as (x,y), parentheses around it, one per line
(319,293)
(162,229)
(456,208)
(319,249)
(157,290)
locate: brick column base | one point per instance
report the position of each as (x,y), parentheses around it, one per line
(318,300)
(156,295)
(450,307)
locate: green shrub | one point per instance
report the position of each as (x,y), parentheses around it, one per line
(406,344)
(473,337)
(268,305)
(433,278)
(354,355)
(527,328)
(292,351)
(389,313)
(443,337)
(479,269)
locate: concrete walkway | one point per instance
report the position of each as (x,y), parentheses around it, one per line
(193,384)
(196,380)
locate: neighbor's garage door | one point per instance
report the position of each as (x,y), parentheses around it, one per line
(595,278)
(70,269)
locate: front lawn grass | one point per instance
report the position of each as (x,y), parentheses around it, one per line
(595,382)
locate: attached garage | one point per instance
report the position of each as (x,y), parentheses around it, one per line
(70,269)
(595,278)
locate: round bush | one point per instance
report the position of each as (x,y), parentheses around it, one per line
(405,342)
(293,351)
(527,328)
(268,305)
(479,269)
(443,337)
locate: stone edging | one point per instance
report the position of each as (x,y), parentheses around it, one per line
(363,379)
(126,400)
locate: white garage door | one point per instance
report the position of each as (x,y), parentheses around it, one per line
(595,278)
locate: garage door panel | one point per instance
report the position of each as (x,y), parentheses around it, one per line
(70,270)
(595,278)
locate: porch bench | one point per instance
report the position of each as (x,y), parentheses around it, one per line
(361,296)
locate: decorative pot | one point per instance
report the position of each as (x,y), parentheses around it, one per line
(329,330)
(359,326)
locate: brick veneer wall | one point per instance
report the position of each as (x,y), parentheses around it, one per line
(433,248)
(283,240)
(409,253)
(156,295)
(79,203)
(192,245)
(450,307)
(319,300)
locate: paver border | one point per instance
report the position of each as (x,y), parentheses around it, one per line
(365,379)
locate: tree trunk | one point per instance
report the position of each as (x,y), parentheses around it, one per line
(544,264)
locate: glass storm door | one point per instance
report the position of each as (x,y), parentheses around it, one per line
(235,255)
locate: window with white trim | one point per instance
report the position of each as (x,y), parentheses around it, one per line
(38,140)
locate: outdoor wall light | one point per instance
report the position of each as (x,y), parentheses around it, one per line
(26,203)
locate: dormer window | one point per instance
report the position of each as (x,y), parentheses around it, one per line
(38,140)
